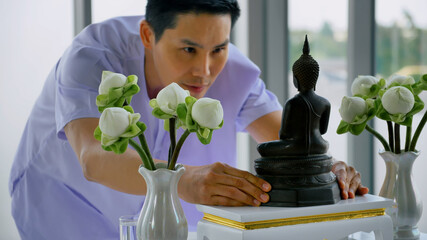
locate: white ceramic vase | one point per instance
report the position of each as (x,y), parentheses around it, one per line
(399,186)
(162,216)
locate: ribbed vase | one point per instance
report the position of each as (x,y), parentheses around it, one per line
(399,186)
(162,216)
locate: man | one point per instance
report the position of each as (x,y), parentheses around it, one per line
(65,186)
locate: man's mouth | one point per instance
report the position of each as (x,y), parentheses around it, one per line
(196,88)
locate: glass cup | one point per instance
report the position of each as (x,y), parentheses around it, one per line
(128,227)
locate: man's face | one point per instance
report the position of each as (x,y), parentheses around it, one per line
(192,54)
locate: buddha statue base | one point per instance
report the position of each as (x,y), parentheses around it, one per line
(299,181)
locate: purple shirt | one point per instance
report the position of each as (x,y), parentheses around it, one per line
(51,199)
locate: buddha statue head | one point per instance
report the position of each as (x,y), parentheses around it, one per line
(305,70)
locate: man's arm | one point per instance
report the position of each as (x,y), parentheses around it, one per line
(119,172)
(267,127)
(214,184)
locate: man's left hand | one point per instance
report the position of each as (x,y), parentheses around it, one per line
(349,180)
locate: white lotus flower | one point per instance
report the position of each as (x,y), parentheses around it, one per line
(362,84)
(207,112)
(352,107)
(114,121)
(402,80)
(169,97)
(111,80)
(398,100)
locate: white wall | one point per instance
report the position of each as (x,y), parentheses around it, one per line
(34,35)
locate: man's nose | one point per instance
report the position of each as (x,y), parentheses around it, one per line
(202,67)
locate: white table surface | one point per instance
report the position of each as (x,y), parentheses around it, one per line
(247,214)
(355,236)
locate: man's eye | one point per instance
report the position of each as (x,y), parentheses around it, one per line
(218,50)
(189,49)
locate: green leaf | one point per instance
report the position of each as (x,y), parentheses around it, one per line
(131,131)
(190,100)
(343,127)
(192,126)
(203,140)
(102,100)
(117,103)
(128,108)
(181,111)
(101,109)
(381,83)
(153,103)
(420,85)
(407,122)
(357,129)
(97,133)
(120,146)
(375,89)
(132,79)
(383,114)
(418,106)
(107,148)
(158,113)
(115,93)
(131,90)
(128,99)
(204,132)
(372,108)
(108,140)
(398,118)
(221,124)
(359,119)
(141,126)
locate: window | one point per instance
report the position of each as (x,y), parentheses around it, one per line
(327,35)
(401,48)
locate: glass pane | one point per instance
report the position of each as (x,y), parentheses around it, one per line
(105,9)
(327,34)
(401,48)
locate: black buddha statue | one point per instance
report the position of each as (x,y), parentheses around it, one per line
(305,116)
(298,166)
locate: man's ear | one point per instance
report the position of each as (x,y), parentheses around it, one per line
(147,34)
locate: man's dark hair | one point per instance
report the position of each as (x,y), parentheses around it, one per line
(162,14)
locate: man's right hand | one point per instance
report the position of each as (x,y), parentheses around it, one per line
(220,184)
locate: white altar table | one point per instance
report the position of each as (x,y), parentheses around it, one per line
(337,221)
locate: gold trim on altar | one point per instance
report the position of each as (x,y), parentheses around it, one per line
(294,220)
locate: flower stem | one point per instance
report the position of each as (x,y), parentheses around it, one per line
(396,138)
(172,134)
(178,149)
(390,135)
(408,138)
(379,137)
(418,132)
(144,145)
(142,154)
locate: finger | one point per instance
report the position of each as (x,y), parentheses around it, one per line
(341,173)
(351,172)
(354,185)
(237,195)
(362,190)
(225,201)
(340,170)
(243,185)
(260,183)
